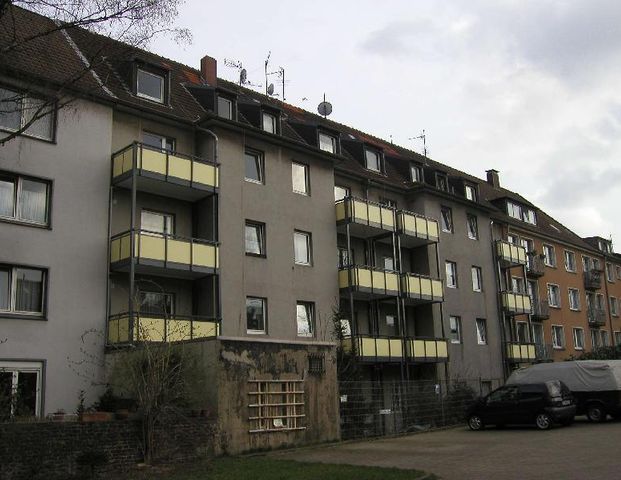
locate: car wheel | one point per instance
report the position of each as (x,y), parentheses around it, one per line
(475,422)
(595,413)
(543,421)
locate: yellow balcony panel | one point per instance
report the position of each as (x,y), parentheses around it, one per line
(509,254)
(516,303)
(421,289)
(416,229)
(427,350)
(364,217)
(376,349)
(520,352)
(369,282)
(165,173)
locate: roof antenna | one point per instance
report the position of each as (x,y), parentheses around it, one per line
(423,136)
(324,108)
(243,73)
(280,73)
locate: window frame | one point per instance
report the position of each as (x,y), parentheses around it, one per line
(261,236)
(612,300)
(259,163)
(171,295)
(479,277)
(309,308)
(30,366)
(610,277)
(449,210)
(250,331)
(165,215)
(472,189)
(472,235)
(273,121)
(545,256)
(162,76)
(455,334)
(481,339)
(453,274)
(418,178)
(309,248)
(561,329)
(347,191)
(570,254)
(18,180)
(441,179)
(164,141)
(578,305)
(334,142)
(22,96)
(574,331)
(231,104)
(378,155)
(306,169)
(11,311)
(558,290)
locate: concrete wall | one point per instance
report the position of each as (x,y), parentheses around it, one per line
(73,249)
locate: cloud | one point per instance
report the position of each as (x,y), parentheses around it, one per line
(397,38)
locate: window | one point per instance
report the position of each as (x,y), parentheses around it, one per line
(528,245)
(554,298)
(150,86)
(343,257)
(574,299)
(416,173)
(158,141)
(157,222)
(388,202)
(22,290)
(595,339)
(389,263)
(513,239)
(255,238)
(481,331)
(618,269)
(599,298)
(473,229)
(254,167)
(21,387)
(451,274)
(276,405)
(614,307)
(156,303)
(570,261)
(340,193)
(617,338)
(524,214)
(477,283)
(256,314)
(609,276)
(24,199)
(269,122)
(18,109)
(522,332)
(225,108)
(442,182)
(549,256)
(446,215)
(558,337)
(471,193)
(528,215)
(299,178)
(390,320)
(327,143)
(514,210)
(586,263)
(578,338)
(596,264)
(605,341)
(302,248)
(372,159)
(455,327)
(305,319)
(517,284)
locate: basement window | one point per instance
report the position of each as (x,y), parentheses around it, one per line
(276,405)
(20,389)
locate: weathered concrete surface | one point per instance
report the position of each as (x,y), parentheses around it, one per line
(583,451)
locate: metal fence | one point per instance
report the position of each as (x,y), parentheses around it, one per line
(374,409)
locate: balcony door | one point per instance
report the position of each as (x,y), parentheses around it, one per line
(157,303)
(157,223)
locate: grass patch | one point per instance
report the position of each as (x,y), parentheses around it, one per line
(264,468)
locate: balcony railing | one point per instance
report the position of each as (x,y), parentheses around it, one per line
(417,226)
(534,265)
(421,289)
(540,310)
(156,250)
(421,350)
(126,328)
(370,281)
(596,316)
(509,254)
(516,303)
(171,167)
(592,279)
(543,353)
(520,352)
(375,348)
(365,213)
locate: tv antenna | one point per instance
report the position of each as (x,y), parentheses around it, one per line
(424,138)
(324,108)
(243,73)
(280,73)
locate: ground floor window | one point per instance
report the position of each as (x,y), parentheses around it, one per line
(276,405)
(20,389)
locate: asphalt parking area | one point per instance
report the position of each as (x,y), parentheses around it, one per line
(582,451)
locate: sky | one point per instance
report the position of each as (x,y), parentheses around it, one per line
(529,88)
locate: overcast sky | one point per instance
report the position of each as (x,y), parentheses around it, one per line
(530,88)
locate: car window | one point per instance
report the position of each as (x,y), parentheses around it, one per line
(504,394)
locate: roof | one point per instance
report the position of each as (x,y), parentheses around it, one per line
(57,57)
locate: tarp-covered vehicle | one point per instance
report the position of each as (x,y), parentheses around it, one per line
(595,384)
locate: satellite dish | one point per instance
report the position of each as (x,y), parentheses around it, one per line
(243,76)
(324,108)
(270,89)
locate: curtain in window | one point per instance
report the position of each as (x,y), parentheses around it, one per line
(28,290)
(7,196)
(33,201)
(10,109)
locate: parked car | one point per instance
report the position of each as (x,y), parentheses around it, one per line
(595,384)
(541,403)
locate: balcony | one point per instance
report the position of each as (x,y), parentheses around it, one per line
(515,303)
(164,255)
(592,280)
(375,349)
(596,317)
(126,328)
(540,310)
(421,289)
(426,350)
(368,282)
(534,265)
(543,353)
(520,352)
(416,229)
(365,219)
(510,255)
(165,173)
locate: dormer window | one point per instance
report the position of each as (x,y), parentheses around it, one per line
(150,86)
(471,192)
(416,173)
(442,181)
(372,158)
(269,122)
(225,107)
(519,212)
(327,143)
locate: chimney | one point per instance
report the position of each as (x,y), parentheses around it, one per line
(209,70)
(492,178)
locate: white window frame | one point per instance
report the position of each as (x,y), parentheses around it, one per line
(558,291)
(451,227)
(264,313)
(306,170)
(260,229)
(346,191)
(442,181)
(555,344)
(472,235)
(378,156)
(570,254)
(18,181)
(333,142)
(28,367)
(578,341)
(477,278)
(309,309)
(416,173)
(471,192)
(481,334)
(162,78)
(169,223)
(452,274)
(455,329)
(229,102)
(549,261)
(309,249)
(272,122)
(577,306)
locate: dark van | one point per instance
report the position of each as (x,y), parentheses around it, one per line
(541,404)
